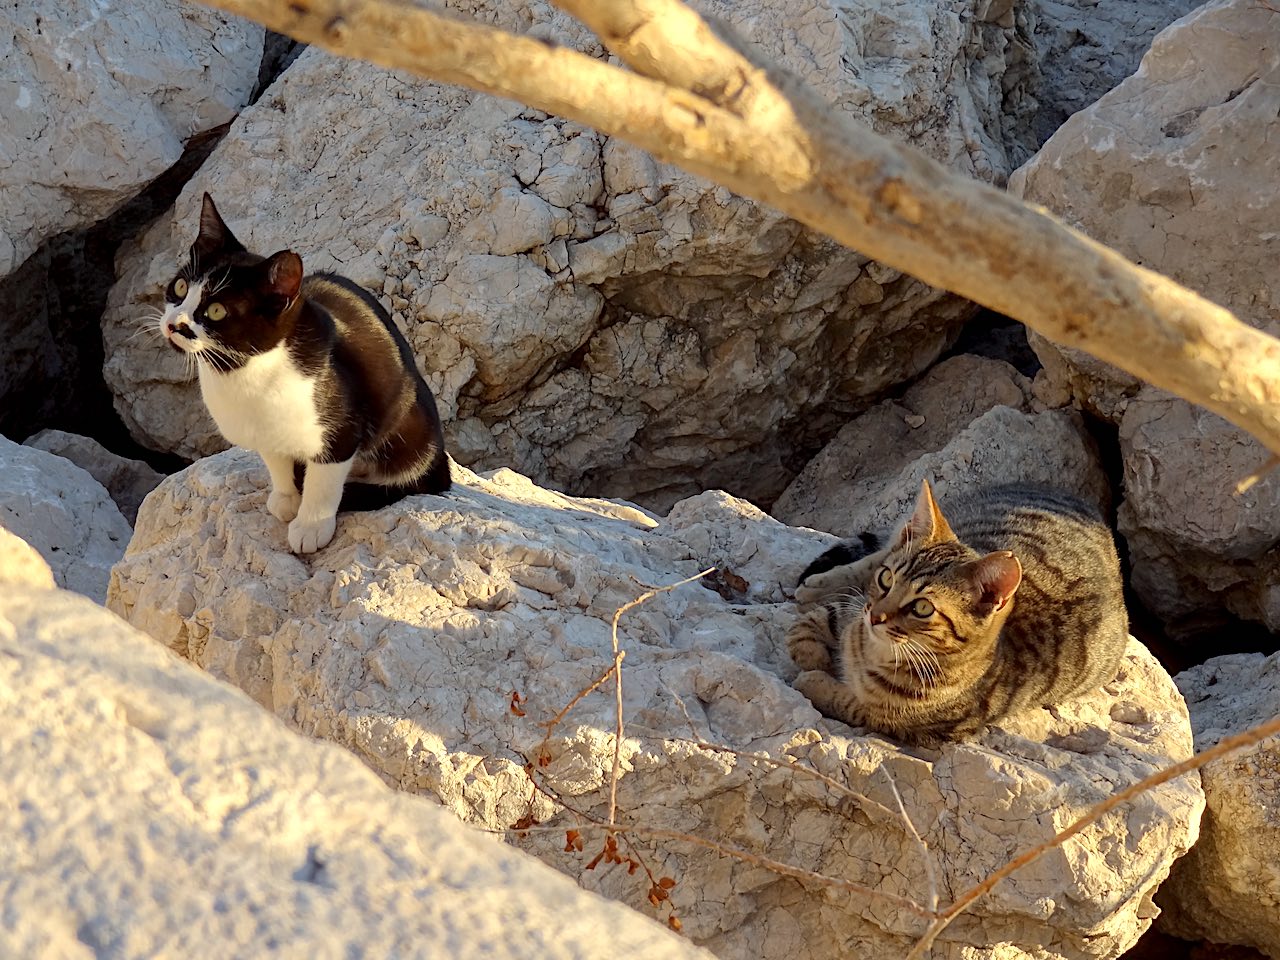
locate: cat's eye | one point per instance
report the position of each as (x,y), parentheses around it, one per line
(215,311)
(921,608)
(884,578)
(179,288)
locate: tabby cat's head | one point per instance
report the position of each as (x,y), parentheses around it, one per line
(227,304)
(935,595)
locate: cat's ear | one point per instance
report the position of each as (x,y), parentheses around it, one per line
(282,275)
(997,576)
(215,237)
(926,524)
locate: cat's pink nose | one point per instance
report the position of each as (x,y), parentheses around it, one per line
(878,616)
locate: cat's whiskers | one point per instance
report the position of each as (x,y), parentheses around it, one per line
(144,326)
(926,662)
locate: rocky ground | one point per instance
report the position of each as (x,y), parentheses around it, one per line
(642,376)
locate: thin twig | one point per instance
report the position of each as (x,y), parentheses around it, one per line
(925,855)
(788,764)
(736,853)
(1237,742)
(618,654)
(1243,486)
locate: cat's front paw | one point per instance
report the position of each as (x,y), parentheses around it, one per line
(820,688)
(309,536)
(809,642)
(283,504)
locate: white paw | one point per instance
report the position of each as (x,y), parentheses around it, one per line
(283,504)
(308,537)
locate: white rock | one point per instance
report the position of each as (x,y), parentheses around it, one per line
(690,323)
(127,480)
(965,424)
(21,565)
(1177,169)
(406,638)
(65,514)
(98,100)
(151,811)
(1228,888)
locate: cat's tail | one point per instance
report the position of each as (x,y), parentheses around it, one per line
(843,553)
(375,496)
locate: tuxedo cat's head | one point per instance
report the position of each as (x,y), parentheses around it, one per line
(227,304)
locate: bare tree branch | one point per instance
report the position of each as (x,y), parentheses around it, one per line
(725,114)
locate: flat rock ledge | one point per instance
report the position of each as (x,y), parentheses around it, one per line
(406,639)
(151,811)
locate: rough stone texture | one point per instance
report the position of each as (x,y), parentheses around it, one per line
(1177,169)
(1228,888)
(406,638)
(966,423)
(153,812)
(21,564)
(128,481)
(585,315)
(1083,48)
(65,514)
(97,101)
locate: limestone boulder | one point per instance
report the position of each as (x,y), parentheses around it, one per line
(1228,888)
(1177,169)
(152,811)
(436,638)
(968,422)
(127,480)
(99,101)
(1083,48)
(21,564)
(65,514)
(594,319)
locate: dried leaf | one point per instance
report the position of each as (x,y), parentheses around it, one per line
(674,923)
(516,700)
(666,883)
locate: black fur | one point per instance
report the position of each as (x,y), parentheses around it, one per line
(371,397)
(842,554)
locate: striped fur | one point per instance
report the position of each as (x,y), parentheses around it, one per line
(1011,601)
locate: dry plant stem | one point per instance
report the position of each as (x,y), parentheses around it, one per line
(763,134)
(618,654)
(736,853)
(1244,485)
(596,684)
(1228,745)
(862,799)
(924,847)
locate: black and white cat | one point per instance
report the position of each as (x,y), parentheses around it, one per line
(312,374)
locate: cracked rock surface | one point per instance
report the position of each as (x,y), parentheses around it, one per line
(589,317)
(152,811)
(99,99)
(1177,169)
(407,637)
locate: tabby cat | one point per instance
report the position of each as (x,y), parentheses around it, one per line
(1013,603)
(310,372)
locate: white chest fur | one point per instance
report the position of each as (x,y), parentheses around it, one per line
(267,405)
